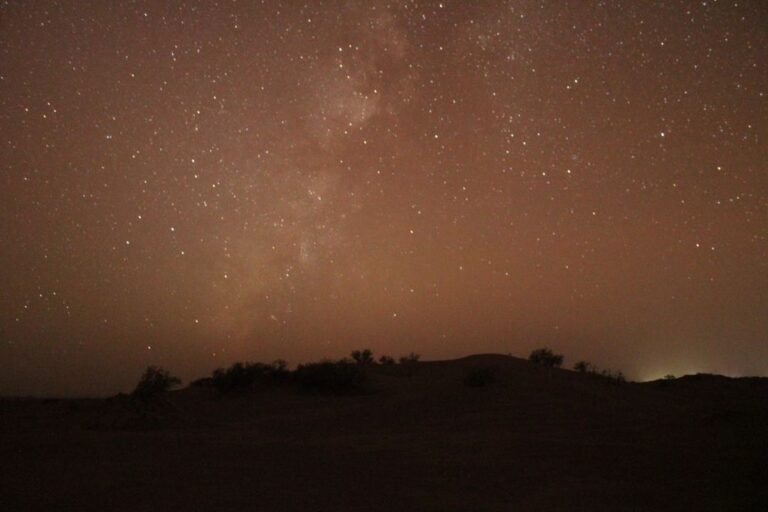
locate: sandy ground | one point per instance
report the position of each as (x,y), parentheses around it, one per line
(418,440)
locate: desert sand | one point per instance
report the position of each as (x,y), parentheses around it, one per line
(415,438)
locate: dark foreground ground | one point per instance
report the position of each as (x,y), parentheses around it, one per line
(419,440)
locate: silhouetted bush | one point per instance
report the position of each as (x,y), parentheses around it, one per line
(341,376)
(480,377)
(153,382)
(669,376)
(386,360)
(545,357)
(411,358)
(364,356)
(584,367)
(244,376)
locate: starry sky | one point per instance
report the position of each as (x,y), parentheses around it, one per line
(196,183)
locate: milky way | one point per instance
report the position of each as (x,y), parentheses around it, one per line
(192,184)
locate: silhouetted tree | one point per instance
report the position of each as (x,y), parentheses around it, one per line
(154,381)
(364,356)
(545,357)
(386,360)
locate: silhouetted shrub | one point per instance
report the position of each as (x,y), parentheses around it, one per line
(410,358)
(244,376)
(480,377)
(669,376)
(153,382)
(584,367)
(341,376)
(545,357)
(364,356)
(386,360)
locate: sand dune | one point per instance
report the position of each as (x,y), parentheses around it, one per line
(414,438)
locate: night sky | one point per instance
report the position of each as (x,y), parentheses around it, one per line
(198,183)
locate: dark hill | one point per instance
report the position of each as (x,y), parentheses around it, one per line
(485,432)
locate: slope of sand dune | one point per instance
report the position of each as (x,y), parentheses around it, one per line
(416,437)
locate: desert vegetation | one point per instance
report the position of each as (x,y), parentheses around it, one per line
(341,376)
(244,376)
(410,358)
(591,369)
(364,356)
(583,367)
(346,375)
(545,357)
(264,428)
(153,382)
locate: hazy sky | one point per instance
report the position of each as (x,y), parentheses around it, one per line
(191,184)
